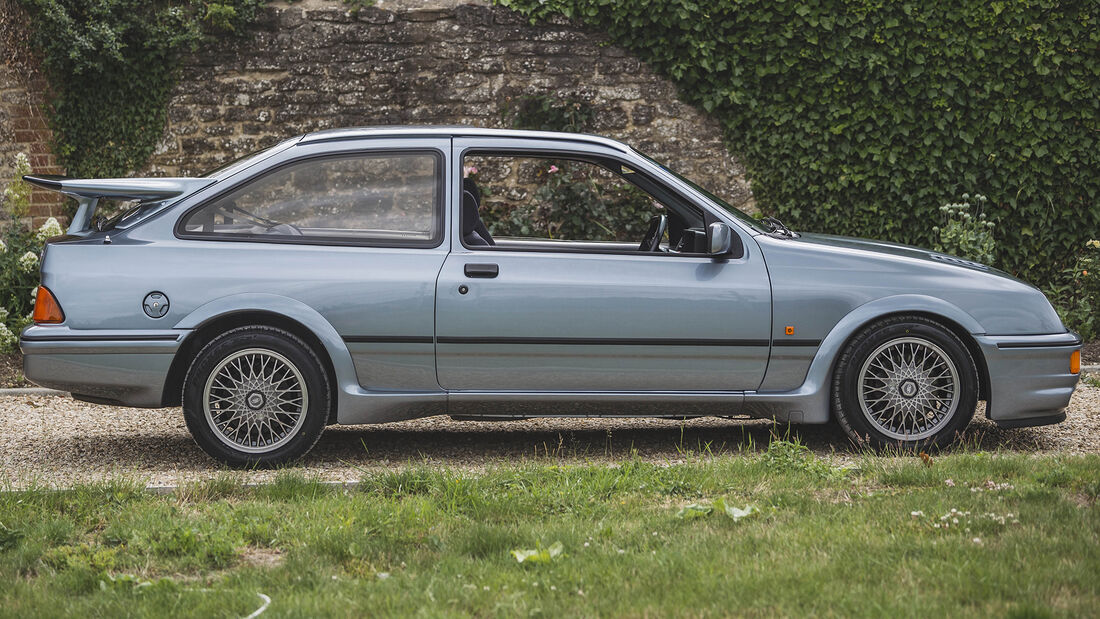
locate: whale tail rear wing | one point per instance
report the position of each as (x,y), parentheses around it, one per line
(88,192)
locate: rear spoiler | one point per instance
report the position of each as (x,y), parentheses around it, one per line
(88,192)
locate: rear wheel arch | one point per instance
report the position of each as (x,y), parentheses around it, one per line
(212,328)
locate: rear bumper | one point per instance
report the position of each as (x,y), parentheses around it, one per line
(128,368)
(1029,377)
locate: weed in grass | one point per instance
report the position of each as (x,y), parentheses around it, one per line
(791,455)
(97,559)
(222,486)
(406,482)
(9,538)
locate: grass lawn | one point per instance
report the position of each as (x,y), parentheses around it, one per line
(972,534)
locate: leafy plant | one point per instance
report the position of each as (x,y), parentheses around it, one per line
(546,113)
(19,250)
(849,114)
(112,65)
(966,232)
(1078,292)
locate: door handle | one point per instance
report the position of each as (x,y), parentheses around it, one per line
(481,270)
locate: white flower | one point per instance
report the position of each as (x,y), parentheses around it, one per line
(7,338)
(3,247)
(977,540)
(916,514)
(28,261)
(49,229)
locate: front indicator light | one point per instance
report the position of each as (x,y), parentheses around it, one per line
(47,311)
(1075,362)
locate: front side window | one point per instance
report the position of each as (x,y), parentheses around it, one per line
(526,201)
(375,198)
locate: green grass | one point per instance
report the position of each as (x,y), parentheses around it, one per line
(825,540)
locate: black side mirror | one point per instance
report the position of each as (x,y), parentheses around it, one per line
(719,239)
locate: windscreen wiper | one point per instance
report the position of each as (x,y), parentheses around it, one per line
(778,227)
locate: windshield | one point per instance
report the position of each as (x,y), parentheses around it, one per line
(719,202)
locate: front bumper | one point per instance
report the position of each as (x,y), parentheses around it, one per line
(122,367)
(1029,377)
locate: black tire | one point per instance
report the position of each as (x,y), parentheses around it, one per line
(894,399)
(260,342)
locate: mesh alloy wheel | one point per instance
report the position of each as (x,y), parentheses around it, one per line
(908,388)
(255,400)
(905,382)
(257,396)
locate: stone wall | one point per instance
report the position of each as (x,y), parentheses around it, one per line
(313,65)
(23,125)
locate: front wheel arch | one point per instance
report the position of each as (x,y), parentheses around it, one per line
(207,331)
(842,409)
(957,329)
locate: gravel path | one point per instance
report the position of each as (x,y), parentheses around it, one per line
(56,441)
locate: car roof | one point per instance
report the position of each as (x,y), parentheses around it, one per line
(351,133)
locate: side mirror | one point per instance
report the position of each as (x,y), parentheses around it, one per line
(719,239)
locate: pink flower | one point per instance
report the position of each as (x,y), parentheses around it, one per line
(553,169)
(468,170)
(949,482)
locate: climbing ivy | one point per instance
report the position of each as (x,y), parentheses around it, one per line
(112,65)
(862,117)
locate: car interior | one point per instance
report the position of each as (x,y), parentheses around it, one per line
(675,227)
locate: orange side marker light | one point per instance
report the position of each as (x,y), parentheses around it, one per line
(1075,362)
(47,311)
(789,330)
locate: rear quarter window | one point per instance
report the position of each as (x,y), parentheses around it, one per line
(391,198)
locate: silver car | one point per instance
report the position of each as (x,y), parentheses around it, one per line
(373,275)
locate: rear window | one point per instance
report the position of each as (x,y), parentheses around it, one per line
(376,198)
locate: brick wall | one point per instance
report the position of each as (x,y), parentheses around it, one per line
(23,125)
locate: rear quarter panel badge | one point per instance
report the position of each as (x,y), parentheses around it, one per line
(155,304)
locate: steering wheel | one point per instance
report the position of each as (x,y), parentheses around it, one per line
(652,239)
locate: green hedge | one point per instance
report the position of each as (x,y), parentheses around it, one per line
(863,118)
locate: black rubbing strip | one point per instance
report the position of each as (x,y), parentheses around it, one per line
(100,338)
(585,341)
(1063,344)
(389,339)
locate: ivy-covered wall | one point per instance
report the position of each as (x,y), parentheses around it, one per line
(313,65)
(863,117)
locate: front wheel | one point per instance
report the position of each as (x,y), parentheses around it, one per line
(256,396)
(905,382)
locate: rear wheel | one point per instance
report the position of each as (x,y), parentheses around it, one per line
(906,382)
(256,396)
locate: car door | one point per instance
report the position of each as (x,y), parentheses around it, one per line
(539,320)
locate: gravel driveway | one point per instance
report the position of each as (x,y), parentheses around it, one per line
(56,441)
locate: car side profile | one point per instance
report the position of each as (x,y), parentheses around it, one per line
(371,275)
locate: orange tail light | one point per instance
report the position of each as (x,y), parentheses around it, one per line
(46,308)
(1075,362)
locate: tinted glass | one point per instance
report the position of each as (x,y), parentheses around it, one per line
(391,198)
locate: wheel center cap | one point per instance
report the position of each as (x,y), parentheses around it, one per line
(908,388)
(255,400)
